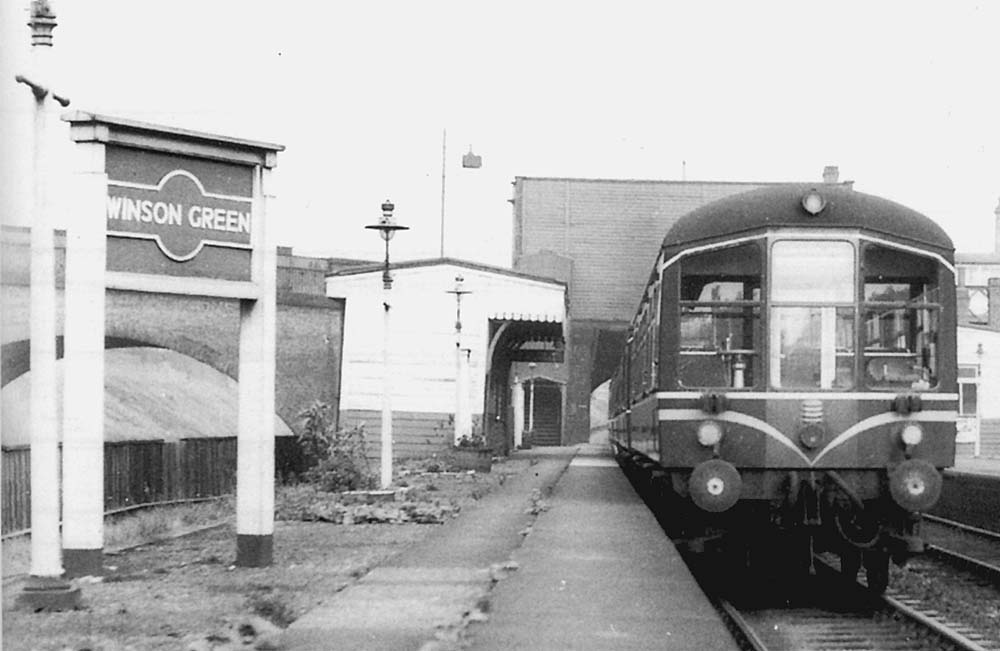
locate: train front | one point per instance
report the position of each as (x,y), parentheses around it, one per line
(806,370)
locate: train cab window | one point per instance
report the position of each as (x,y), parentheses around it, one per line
(812,314)
(900,317)
(720,318)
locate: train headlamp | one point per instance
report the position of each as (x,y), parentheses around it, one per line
(915,484)
(709,433)
(813,202)
(912,434)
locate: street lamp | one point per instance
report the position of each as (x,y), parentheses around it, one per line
(386,227)
(463,417)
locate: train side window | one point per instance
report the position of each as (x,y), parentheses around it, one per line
(900,319)
(720,318)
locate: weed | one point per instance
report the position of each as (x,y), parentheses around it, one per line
(338,456)
(270,605)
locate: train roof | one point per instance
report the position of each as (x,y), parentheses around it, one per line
(781,206)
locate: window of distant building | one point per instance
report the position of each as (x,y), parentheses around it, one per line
(979,304)
(968,389)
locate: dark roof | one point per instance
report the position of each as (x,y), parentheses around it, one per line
(782,206)
(434,262)
(977,258)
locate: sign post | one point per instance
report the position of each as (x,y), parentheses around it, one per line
(178,212)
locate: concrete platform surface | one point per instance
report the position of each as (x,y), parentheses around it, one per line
(597,572)
(977,465)
(430,588)
(593,572)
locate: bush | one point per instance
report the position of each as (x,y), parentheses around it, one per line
(337,458)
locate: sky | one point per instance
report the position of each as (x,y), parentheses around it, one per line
(901,96)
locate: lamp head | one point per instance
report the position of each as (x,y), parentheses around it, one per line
(386,225)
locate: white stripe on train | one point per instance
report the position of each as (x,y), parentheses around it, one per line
(800,395)
(739,418)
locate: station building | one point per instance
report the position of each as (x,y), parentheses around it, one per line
(456,331)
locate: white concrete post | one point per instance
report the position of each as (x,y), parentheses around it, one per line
(463,419)
(517,401)
(45,551)
(385,467)
(531,406)
(83,391)
(45,587)
(255,422)
(459,387)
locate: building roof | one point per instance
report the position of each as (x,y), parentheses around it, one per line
(433,262)
(977,258)
(656,181)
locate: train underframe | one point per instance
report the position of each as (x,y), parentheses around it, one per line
(811,511)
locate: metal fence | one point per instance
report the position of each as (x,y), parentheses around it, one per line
(144,472)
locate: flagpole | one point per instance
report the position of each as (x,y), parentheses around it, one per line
(444,152)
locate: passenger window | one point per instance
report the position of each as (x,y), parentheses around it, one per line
(720,318)
(901,319)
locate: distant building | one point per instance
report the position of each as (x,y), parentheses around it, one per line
(979,349)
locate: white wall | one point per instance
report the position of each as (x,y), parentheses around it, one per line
(422,331)
(969,341)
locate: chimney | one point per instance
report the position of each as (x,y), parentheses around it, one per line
(993,296)
(831,174)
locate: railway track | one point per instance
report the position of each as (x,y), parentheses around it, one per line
(833,615)
(973,549)
(887,625)
(829,614)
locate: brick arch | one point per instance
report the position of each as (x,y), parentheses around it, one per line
(16,355)
(17,361)
(206,329)
(202,328)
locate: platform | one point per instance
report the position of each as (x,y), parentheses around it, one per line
(597,572)
(977,466)
(593,570)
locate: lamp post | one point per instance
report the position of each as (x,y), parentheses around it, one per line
(386,227)
(46,587)
(463,419)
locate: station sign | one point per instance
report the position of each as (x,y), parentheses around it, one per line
(178,214)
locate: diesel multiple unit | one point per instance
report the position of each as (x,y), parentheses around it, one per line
(789,378)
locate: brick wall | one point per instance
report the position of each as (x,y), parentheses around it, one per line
(611,230)
(309,330)
(606,234)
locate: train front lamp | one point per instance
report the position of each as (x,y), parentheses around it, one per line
(912,434)
(386,227)
(709,433)
(813,202)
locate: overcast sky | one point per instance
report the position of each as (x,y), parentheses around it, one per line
(903,97)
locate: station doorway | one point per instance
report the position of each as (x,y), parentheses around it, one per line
(543,400)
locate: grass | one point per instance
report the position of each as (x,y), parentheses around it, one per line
(169,594)
(133,528)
